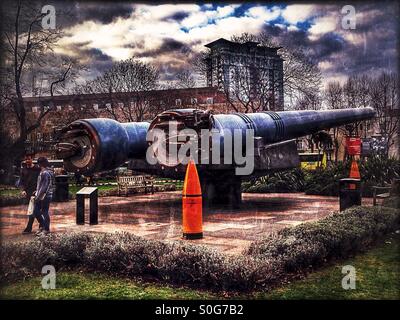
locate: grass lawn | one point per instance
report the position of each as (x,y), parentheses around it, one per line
(377,277)
(164,181)
(74,189)
(97,286)
(10,193)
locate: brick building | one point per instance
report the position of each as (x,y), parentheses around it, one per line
(123,107)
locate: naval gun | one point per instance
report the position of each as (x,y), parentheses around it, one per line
(95,145)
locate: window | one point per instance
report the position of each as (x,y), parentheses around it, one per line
(194,100)
(178,102)
(210,101)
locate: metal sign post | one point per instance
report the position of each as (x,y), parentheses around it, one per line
(92,193)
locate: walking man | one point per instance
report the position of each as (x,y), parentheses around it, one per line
(27,182)
(43,194)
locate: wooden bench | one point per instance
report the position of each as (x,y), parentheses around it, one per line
(386,191)
(126,183)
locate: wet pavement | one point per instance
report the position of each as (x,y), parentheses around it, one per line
(158,216)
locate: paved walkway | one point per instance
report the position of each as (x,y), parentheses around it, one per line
(158,216)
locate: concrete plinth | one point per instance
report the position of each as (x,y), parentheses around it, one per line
(221,188)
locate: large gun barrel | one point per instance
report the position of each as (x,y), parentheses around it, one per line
(286,125)
(93,145)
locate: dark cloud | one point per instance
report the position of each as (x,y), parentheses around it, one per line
(92,58)
(103,12)
(98,55)
(73,13)
(169,45)
(296,38)
(319,49)
(273,31)
(375,45)
(326,45)
(178,16)
(135,45)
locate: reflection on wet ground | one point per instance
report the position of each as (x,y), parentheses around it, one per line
(158,216)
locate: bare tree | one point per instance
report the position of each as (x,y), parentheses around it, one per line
(350,92)
(127,86)
(309,101)
(363,90)
(334,98)
(27,44)
(379,92)
(333,95)
(385,101)
(301,75)
(185,79)
(249,90)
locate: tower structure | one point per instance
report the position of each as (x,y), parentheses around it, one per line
(252,70)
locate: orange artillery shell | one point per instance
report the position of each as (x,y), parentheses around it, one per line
(354,173)
(192,220)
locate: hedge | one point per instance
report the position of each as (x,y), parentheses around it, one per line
(375,171)
(336,236)
(266,263)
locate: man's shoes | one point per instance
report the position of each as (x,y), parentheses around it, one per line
(27,231)
(42,233)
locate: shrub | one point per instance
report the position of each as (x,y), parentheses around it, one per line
(378,172)
(336,236)
(283,181)
(374,171)
(326,181)
(68,248)
(22,260)
(267,262)
(121,253)
(392,202)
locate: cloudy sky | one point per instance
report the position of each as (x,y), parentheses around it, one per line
(170,35)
